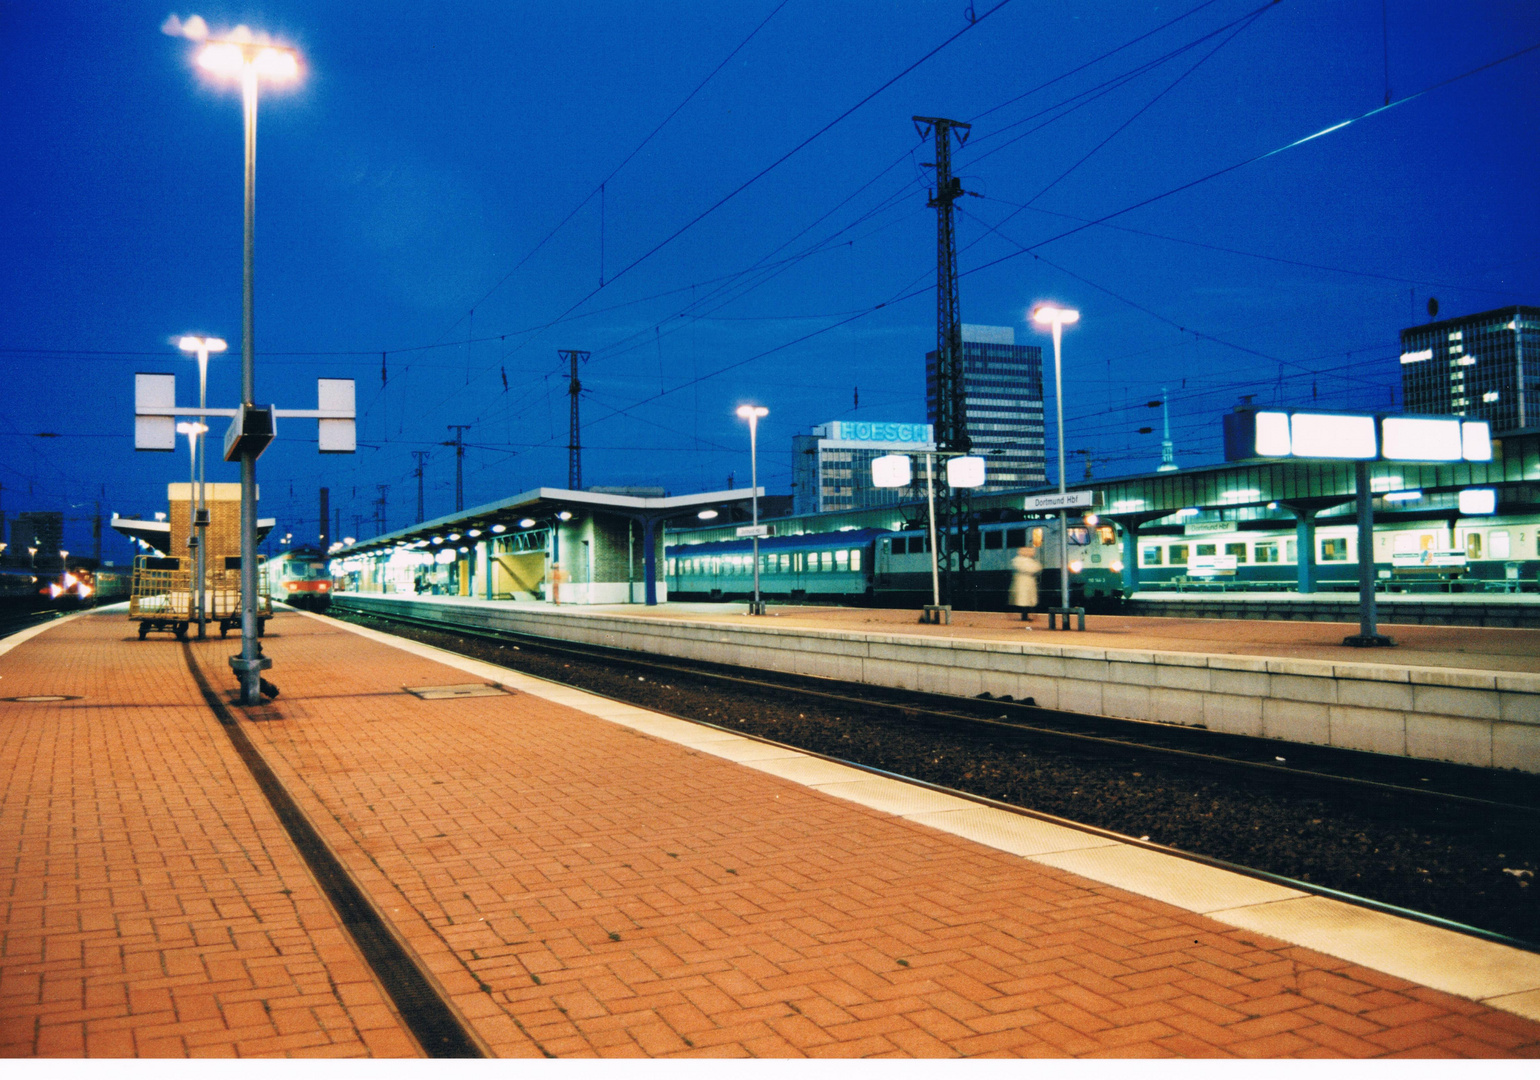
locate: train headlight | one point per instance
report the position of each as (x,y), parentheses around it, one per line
(1076,566)
(323,586)
(1117,566)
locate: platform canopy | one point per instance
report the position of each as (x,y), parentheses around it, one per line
(158,533)
(542,505)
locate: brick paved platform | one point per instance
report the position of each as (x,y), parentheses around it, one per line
(582,878)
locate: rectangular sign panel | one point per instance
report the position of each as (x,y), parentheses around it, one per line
(1212,565)
(753,530)
(336,436)
(1422,438)
(152,391)
(1326,435)
(1206,528)
(1068,501)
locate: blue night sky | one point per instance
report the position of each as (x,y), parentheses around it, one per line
(430,190)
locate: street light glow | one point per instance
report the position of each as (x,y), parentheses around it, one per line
(1052,314)
(192,343)
(755,411)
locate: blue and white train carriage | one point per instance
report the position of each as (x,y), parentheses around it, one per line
(883,567)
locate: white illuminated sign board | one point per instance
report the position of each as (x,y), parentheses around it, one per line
(1323,435)
(1478,501)
(891,471)
(1336,436)
(752,530)
(1415,438)
(965,472)
(153,391)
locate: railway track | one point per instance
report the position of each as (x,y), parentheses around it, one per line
(1352,825)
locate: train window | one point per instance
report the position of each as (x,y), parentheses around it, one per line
(1267,553)
(786,564)
(1015,538)
(1238,550)
(1106,534)
(1500,545)
(994,540)
(826,559)
(1151,555)
(842,560)
(668,566)
(1037,537)
(1178,554)
(855,559)
(1206,549)
(1334,549)
(1079,535)
(1473,545)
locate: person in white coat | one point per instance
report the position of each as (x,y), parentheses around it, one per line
(1025,568)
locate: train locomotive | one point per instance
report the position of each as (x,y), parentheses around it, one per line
(887,568)
(301,577)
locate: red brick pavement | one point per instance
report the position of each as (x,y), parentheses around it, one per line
(578,888)
(150,905)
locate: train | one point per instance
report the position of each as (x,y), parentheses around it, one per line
(1500,553)
(72,588)
(892,568)
(885,567)
(301,577)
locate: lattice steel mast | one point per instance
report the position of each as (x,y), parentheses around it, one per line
(951,400)
(575,441)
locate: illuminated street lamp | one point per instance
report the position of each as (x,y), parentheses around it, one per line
(201,347)
(32,554)
(1058,318)
(752,414)
(243,58)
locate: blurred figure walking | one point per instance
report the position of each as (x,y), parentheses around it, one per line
(1025,568)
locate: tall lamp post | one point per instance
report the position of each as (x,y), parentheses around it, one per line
(1058,318)
(201,347)
(243,58)
(752,413)
(194,430)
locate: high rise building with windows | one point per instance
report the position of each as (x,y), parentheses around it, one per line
(1003,388)
(832,467)
(1484,367)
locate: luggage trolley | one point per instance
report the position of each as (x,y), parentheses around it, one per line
(163,598)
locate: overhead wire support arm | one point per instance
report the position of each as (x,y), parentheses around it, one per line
(575,438)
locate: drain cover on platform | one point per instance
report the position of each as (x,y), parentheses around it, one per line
(435,693)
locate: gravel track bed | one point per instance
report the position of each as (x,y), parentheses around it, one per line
(1473,866)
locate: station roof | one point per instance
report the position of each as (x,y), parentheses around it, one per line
(545,503)
(158,533)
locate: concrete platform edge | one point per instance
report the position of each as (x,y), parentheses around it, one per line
(1496,975)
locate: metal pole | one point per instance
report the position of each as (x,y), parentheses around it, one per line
(754,489)
(930,499)
(1368,635)
(251,660)
(203,531)
(1058,401)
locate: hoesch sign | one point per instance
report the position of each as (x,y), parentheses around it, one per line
(865,431)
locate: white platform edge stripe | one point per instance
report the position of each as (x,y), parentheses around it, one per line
(1509,978)
(21,637)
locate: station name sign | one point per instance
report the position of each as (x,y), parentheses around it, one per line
(752,530)
(1070,500)
(1267,433)
(874,431)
